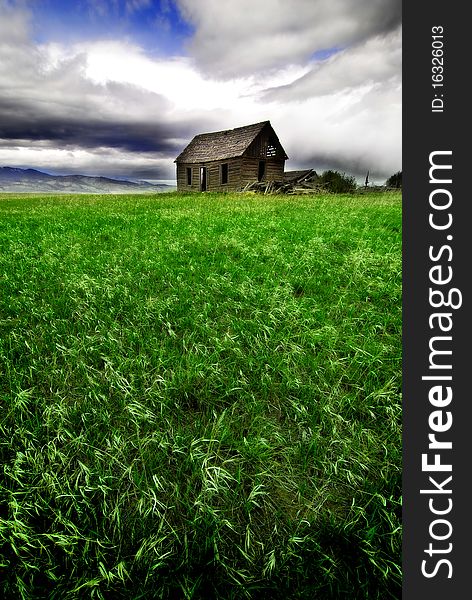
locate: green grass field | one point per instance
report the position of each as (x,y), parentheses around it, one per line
(200,397)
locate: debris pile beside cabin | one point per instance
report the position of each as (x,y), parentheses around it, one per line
(305,182)
(294,182)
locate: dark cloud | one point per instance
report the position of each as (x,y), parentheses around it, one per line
(246,37)
(62,108)
(20,120)
(374,61)
(51,104)
(151,173)
(356,167)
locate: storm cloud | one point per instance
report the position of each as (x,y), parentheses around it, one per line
(87,128)
(326,74)
(53,104)
(245,37)
(375,61)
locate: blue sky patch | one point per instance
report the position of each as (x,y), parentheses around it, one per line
(155,25)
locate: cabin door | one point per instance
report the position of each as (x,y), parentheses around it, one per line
(261,170)
(203,179)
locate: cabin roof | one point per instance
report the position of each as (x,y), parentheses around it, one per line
(221,145)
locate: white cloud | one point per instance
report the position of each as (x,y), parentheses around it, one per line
(177,78)
(109,108)
(376,60)
(244,37)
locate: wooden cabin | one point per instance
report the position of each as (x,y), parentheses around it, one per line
(229,160)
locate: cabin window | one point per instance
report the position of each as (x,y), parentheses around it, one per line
(189,175)
(224,173)
(271,149)
(261,170)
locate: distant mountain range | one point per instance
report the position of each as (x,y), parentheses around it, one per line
(31,180)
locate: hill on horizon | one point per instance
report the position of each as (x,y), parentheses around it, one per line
(14,179)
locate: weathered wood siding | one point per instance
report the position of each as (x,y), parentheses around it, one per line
(274,170)
(265,144)
(213,176)
(241,170)
(182,178)
(234,176)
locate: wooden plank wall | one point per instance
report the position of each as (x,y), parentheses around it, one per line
(213,176)
(258,148)
(274,170)
(240,172)
(182,178)
(234,176)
